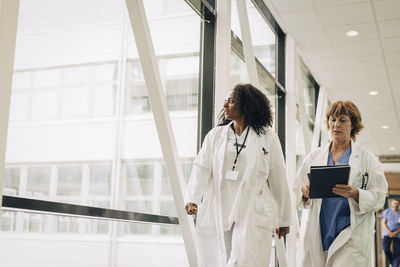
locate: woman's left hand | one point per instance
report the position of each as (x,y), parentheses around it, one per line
(345,190)
(282,231)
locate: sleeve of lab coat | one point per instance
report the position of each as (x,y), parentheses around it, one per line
(277,181)
(201,173)
(302,179)
(373,198)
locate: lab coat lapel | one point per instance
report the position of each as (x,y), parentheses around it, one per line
(253,143)
(354,161)
(220,155)
(342,238)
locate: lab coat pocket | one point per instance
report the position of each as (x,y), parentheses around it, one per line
(263,165)
(205,223)
(357,178)
(262,218)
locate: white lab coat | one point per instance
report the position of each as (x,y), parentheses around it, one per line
(352,247)
(265,176)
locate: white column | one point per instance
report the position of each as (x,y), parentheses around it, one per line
(319,118)
(324,130)
(303,114)
(152,78)
(8,33)
(247,42)
(291,128)
(222,55)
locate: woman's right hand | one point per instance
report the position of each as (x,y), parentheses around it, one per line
(305,189)
(191,208)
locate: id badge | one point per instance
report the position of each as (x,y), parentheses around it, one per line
(259,204)
(231,175)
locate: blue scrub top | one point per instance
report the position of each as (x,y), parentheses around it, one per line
(335,212)
(392,221)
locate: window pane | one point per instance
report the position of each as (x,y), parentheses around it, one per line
(19,106)
(103,99)
(44,104)
(77,75)
(38,181)
(238,70)
(11,181)
(263,37)
(22,80)
(7,221)
(139,179)
(75,101)
(46,78)
(69,180)
(100,179)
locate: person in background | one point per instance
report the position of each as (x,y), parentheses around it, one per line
(391,232)
(339,231)
(236,177)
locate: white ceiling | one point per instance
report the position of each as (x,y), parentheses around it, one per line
(351,67)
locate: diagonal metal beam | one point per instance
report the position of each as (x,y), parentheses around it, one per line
(222,54)
(8,35)
(152,78)
(247,42)
(14,203)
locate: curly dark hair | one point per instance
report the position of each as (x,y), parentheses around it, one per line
(254,105)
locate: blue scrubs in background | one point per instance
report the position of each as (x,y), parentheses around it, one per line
(335,212)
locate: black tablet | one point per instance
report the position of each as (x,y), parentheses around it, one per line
(324,178)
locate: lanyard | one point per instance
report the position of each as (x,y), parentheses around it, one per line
(236,145)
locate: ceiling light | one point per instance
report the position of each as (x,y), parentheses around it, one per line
(392,148)
(352,33)
(385,126)
(373,92)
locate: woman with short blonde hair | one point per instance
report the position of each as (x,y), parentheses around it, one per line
(339,231)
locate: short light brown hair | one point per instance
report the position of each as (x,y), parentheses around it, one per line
(347,108)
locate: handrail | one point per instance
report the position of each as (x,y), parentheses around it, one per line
(66,209)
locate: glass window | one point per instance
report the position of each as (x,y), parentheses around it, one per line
(182,94)
(77,75)
(139,179)
(100,179)
(139,101)
(38,181)
(69,180)
(19,106)
(67,224)
(310,93)
(76,68)
(238,70)
(103,99)
(21,80)
(75,101)
(138,206)
(11,181)
(44,104)
(46,78)
(263,37)
(7,221)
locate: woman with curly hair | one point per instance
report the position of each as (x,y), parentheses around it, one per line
(236,177)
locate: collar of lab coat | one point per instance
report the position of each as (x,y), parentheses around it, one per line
(250,139)
(252,143)
(354,160)
(355,149)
